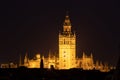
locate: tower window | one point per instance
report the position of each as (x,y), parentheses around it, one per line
(64,41)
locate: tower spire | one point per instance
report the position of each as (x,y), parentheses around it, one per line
(84,56)
(67,23)
(26,58)
(91,55)
(49,56)
(20,62)
(67,12)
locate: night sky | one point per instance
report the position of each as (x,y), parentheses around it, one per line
(33,26)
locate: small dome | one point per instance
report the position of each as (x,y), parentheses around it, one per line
(38,56)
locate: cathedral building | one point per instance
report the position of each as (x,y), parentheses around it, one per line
(67,54)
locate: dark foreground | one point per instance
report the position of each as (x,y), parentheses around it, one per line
(47,74)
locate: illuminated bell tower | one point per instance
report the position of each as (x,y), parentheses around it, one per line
(67,46)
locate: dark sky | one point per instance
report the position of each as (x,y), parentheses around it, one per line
(33,25)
